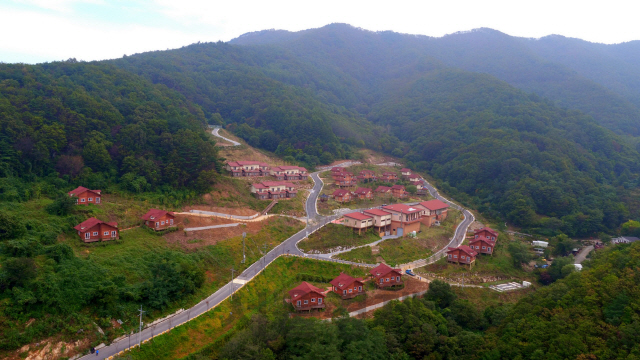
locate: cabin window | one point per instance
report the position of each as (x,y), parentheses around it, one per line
(319,300)
(382,280)
(162,222)
(484,247)
(157,224)
(455,256)
(299,302)
(359,288)
(87,235)
(113,234)
(83,200)
(97,200)
(489,248)
(449,256)
(350,291)
(106,233)
(90,199)
(476,236)
(344,292)
(95,233)
(397,278)
(313,299)
(170,221)
(462,257)
(306,302)
(386,280)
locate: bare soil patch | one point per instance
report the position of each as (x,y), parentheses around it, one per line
(224,210)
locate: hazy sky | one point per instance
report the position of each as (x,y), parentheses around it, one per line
(47,30)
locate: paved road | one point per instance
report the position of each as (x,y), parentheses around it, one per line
(288,247)
(583,254)
(214,132)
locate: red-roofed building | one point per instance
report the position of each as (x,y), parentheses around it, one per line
(85,196)
(405,171)
(363,193)
(383,190)
(358,221)
(286,172)
(404,219)
(247,168)
(413,177)
(432,211)
(273,190)
(341,195)
(367,176)
(389,177)
(306,297)
(159,219)
(385,276)
(347,287)
(381,220)
(462,255)
(345,179)
(398,191)
(92,230)
(482,245)
(486,232)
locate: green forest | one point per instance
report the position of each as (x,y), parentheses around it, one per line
(586,315)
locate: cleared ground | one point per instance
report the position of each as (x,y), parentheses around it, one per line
(334,236)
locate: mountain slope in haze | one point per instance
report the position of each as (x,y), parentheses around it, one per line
(524,63)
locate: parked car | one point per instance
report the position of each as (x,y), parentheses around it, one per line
(409,272)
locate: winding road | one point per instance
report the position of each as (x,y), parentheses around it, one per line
(288,247)
(214,132)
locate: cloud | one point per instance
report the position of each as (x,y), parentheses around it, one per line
(57,5)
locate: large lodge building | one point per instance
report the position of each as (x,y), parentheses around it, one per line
(397,219)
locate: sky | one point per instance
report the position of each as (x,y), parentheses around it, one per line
(34,31)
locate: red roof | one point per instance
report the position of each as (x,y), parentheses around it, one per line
(483,239)
(490,230)
(390,173)
(464,248)
(363,191)
(343,280)
(383,188)
(416,182)
(277,183)
(288,167)
(91,222)
(340,192)
(382,270)
(337,168)
(405,209)
(376,212)
(397,187)
(259,186)
(303,289)
(81,189)
(249,162)
(434,204)
(357,216)
(405,170)
(155,214)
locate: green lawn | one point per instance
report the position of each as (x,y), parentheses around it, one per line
(334,235)
(264,294)
(404,250)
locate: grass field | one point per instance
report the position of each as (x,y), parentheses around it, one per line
(334,235)
(264,294)
(404,250)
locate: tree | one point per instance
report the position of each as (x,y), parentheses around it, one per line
(562,245)
(440,293)
(10,226)
(519,253)
(18,271)
(63,205)
(412,189)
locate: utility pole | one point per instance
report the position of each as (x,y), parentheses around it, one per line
(140,327)
(244,257)
(463,280)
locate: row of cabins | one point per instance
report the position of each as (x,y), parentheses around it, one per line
(257,169)
(362,193)
(483,242)
(92,229)
(268,190)
(343,178)
(397,219)
(306,297)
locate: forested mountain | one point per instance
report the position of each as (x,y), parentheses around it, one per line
(449,106)
(600,80)
(99,125)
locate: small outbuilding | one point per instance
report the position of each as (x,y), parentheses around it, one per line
(159,219)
